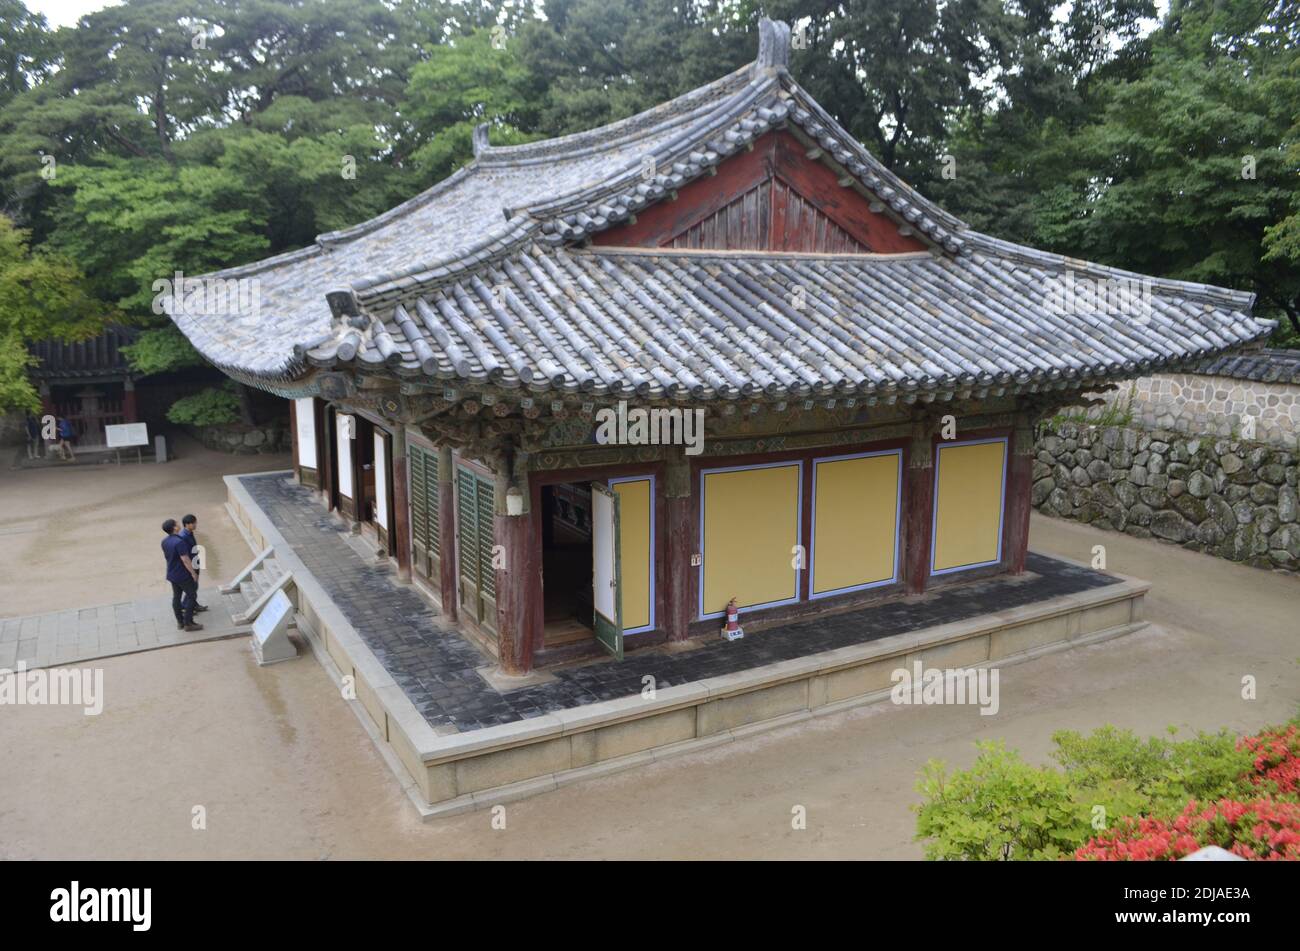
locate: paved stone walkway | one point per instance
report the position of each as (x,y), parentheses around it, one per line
(81,634)
(436,666)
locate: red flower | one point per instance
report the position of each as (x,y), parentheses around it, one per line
(1259,829)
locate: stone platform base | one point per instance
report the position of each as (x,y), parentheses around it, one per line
(446,772)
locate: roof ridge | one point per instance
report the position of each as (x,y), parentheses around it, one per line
(881,256)
(1245,300)
(619,132)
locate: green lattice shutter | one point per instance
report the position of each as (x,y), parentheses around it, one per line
(487,575)
(432,513)
(467,526)
(419,508)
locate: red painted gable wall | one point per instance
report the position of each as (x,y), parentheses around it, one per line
(773,198)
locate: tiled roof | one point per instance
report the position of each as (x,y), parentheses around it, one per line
(99,356)
(482,278)
(1263,366)
(727,324)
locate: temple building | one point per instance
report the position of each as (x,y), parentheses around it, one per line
(587,392)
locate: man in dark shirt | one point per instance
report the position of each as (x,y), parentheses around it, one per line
(33,437)
(180,572)
(188,524)
(67,432)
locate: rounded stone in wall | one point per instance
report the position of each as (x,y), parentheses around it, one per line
(1200,485)
(1266,519)
(1288,504)
(1170,526)
(1287,538)
(1261,493)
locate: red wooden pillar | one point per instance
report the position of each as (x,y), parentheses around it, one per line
(517,571)
(401,505)
(918,508)
(447,591)
(1020,471)
(680,544)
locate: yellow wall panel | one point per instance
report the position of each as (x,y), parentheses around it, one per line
(634,513)
(751,525)
(968,504)
(855,521)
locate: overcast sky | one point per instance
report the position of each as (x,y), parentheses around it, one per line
(66,12)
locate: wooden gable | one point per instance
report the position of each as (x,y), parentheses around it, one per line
(772,198)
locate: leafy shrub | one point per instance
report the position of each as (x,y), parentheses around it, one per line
(1262,829)
(1000,808)
(210,407)
(1004,808)
(1129,775)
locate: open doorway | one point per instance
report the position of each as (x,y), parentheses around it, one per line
(567,563)
(598,561)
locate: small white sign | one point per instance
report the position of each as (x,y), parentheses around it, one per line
(277,610)
(126,434)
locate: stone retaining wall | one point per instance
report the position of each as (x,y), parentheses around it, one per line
(1230,498)
(241,439)
(1220,406)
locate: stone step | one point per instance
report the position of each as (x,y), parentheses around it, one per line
(260,580)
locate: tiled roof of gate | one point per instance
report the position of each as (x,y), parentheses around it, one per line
(1262,366)
(483,278)
(99,356)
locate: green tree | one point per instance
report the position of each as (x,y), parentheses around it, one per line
(1186,172)
(468,80)
(595,61)
(42,297)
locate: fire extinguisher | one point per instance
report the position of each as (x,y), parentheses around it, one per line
(732,630)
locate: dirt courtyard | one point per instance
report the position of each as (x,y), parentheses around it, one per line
(85,535)
(281,768)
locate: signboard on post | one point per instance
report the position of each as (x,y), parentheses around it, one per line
(123,435)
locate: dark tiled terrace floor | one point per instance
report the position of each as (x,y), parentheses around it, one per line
(435,665)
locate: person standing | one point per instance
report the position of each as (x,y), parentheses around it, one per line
(188,524)
(67,432)
(33,437)
(182,576)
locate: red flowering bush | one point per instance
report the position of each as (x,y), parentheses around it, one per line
(1262,829)
(1276,754)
